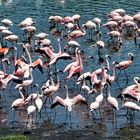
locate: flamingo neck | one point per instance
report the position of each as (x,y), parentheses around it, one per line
(59,47)
(21,94)
(58,81)
(101,91)
(108,65)
(80,60)
(84,81)
(109,91)
(52,82)
(29,56)
(136,82)
(114,71)
(84,31)
(67,94)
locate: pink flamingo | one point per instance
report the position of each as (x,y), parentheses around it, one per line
(68,103)
(113,102)
(111,25)
(75,69)
(123,65)
(59,55)
(76,34)
(133,90)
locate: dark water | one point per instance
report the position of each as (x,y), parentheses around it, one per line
(40,10)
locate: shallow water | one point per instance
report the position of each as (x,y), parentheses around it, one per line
(40,10)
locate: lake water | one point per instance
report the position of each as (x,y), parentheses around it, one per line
(40,10)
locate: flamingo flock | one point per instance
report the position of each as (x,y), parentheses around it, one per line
(62,67)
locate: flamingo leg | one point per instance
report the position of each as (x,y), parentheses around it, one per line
(66,115)
(118,75)
(125,74)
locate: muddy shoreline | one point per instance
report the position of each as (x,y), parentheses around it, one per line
(129,132)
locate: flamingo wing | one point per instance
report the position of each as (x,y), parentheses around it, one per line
(58,101)
(79,99)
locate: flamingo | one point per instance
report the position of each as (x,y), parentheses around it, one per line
(38,102)
(41,35)
(18,103)
(111,78)
(3,73)
(89,25)
(115,36)
(26,83)
(6,32)
(26,22)
(123,65)
(111,100)
(31,109)
(72,44)
(59,55)
(52,88)
(94,106)
(11,38)
(75,69)
(85,87)
(67,20)
(3,28)
(117,18)
(68,102)
(76,34)
(100,97)
(131,106)
(97,21)
(86,76)
(133,90)
(33,96)
(76,18)
(129,28)
(29,31)
(75,63)
(111,25)
(7,22)
(4,81)
(120,11)
(55,20)
(136,18)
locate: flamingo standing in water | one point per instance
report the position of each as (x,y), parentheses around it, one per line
(129,105)
(133,90)
(76,34)
(89,25)
(11,38)
(18,103)
(68,102)
(51,89)
(75,69)
(59,55)
(26,22)
(31,109)
(7,22)
(112,101)
(123,65)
